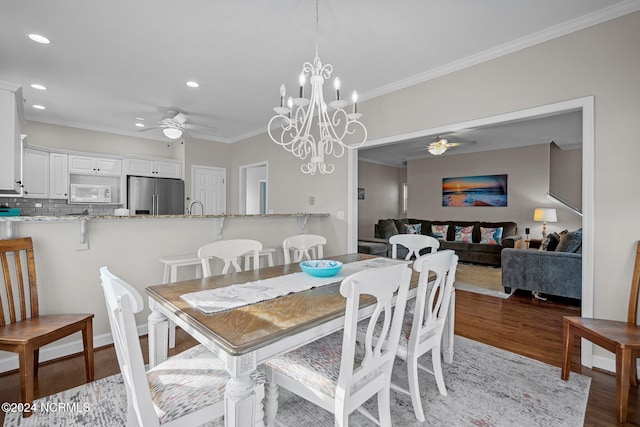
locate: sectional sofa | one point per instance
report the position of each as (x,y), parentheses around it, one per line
(473,241)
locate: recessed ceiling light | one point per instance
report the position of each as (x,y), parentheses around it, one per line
(140,118)
(40,39)
(39,107)
(193,84)
(39,87)
(140,125)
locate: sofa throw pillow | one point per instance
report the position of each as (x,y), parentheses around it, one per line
(400,223)
(550,241)
(439,231)
(463,234)
(413,228)
(387,228)
(491,236)
(570,242)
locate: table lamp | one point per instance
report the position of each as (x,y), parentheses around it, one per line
(544,215)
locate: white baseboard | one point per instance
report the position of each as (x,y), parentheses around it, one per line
(605,363)
(54,351)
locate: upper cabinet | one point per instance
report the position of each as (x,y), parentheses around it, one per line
(164,168)
(94,165)
(36,173)
(11,120)
(58,176)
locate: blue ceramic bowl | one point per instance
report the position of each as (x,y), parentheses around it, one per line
(321,267)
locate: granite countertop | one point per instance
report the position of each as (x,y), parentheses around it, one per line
(154,217)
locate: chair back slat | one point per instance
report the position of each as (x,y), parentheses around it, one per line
(635,290)
(414,244)
(228,251)
(304,246)
(432,299)
(16,289)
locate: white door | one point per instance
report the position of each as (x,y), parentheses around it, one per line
(209,187)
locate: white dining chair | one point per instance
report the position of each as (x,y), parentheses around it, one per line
(333,372)
(185,390)
(307,246)
(414,243)
(422,331)
(229,251)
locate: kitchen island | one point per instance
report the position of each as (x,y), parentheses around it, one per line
(68,266)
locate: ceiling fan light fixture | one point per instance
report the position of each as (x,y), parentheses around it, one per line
(172,133)
(436,151)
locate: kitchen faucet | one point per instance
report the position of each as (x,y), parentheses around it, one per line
(190,208)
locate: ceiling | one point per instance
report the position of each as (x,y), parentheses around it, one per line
(564,129)
(110,62)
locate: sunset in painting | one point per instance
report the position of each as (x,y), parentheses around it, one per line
(485,190)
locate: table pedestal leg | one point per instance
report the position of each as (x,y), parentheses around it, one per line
(242,399)
(449,326)
(271,401)
(158,330)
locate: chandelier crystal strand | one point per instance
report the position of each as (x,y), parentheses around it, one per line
(295,120)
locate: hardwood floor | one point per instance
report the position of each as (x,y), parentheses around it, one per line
(519,324)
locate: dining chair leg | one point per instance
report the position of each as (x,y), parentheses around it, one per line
(36,358)
(87,342)
(568,340)
(384,407)
(25,359)
(437,370)
(341,416)
(623,366)
(633,374)
(414,387)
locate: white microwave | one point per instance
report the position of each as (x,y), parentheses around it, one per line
(89,193)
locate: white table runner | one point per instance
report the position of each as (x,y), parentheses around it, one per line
(233,296)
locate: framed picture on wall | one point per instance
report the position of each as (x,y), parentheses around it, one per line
(360,193)
(481,190)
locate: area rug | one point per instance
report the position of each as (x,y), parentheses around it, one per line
(480,279)
(486,387)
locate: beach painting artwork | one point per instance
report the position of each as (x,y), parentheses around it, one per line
(483,190)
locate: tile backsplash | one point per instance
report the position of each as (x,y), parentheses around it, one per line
(53,207)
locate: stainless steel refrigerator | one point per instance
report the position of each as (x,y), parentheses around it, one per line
(155,196)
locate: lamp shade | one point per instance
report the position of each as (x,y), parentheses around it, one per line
(172,133)
(545,215)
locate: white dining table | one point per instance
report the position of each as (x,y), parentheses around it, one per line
(247,336)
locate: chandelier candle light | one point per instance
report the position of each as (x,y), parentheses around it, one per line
(334,122)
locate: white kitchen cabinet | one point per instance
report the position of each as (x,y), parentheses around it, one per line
(36,173)
(11,120)
(153,167)
(58,175)
(94,165)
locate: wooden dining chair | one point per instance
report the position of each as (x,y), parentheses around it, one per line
(307,246)
(333,372)
(422,331)
(185,390)
(621,338)
(23,329)
(228,251)
(414,244)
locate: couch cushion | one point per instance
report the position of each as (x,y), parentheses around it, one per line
(387,228)
(439,231)
(570,242)
(400,223)
(464,234)
(486,248)
(490,235)
(413,228)
(550,242)
(508,228)
(456,246)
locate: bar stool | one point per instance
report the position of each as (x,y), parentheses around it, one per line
(170,275)
(265,252)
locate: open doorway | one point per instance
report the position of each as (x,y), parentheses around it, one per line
(586,107)
(254,188)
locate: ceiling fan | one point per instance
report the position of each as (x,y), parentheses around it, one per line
(175,124)
(440,145)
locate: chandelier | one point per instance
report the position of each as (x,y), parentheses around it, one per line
(293,125)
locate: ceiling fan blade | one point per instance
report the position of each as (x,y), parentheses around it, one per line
(202,127)
(151,128)
(180,118)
